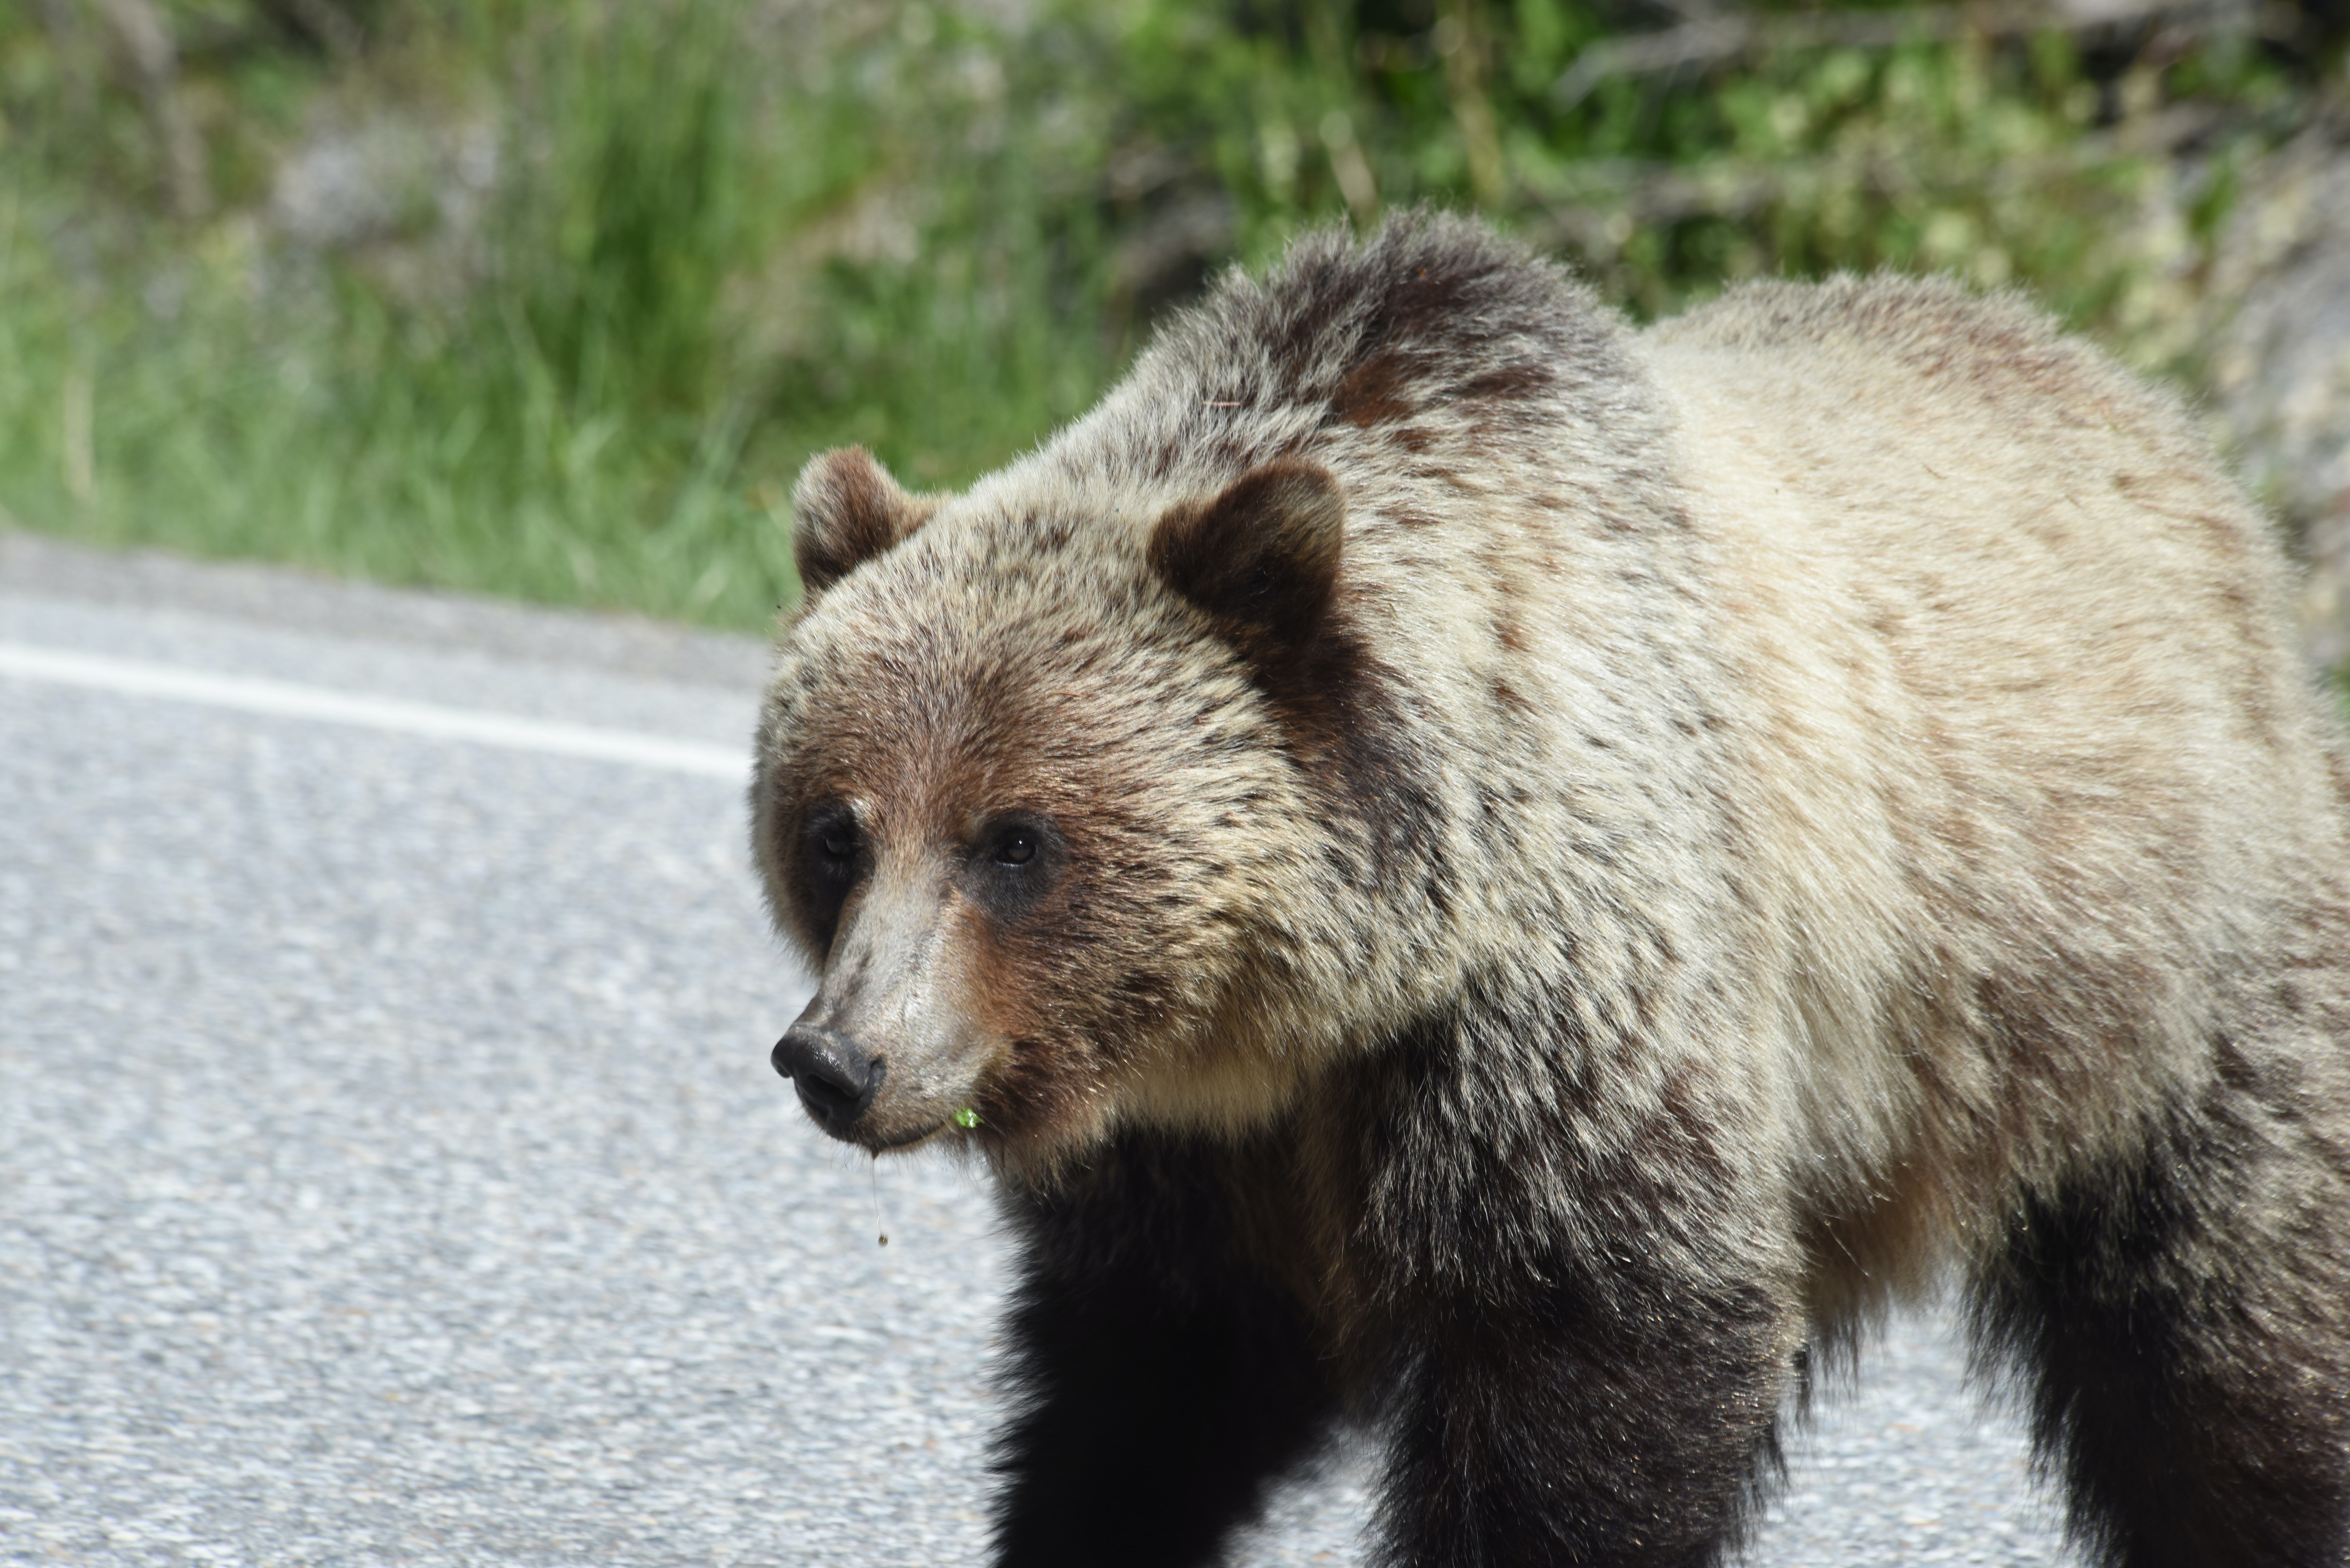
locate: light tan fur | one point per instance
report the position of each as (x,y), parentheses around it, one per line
(2021,716)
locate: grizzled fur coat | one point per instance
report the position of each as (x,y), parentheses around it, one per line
(1481,872)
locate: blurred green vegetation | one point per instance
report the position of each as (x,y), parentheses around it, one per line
(551,299)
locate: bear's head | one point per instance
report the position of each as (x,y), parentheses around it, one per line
(1030,801)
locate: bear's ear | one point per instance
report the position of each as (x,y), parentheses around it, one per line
(1262,557)
(846,510)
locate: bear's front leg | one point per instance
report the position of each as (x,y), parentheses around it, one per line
(1165,1382)
(1616,1422)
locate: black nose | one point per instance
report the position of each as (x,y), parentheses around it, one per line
(835,1080)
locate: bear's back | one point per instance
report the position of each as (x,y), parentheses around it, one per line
(2036,751)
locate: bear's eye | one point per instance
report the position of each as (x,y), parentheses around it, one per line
(832,840)
(1015,862)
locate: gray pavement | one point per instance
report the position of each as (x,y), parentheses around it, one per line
(391,1171)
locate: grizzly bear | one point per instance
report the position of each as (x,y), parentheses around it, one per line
(1490,876)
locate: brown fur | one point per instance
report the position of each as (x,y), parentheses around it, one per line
(1599,857)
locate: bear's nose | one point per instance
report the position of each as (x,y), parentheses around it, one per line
(835,1079)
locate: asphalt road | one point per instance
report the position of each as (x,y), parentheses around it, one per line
(390,1170)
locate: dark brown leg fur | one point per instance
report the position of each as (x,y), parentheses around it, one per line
(1633,1434)
(2182,1327)
(1166,1383)
(1587,1345)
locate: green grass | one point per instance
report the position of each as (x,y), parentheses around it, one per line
(358,444)
(717,248)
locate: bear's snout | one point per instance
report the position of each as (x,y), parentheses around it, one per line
(835,1077)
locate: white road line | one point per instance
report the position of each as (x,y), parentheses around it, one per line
(284,698)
